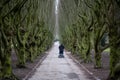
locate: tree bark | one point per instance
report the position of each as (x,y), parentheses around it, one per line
(114,36)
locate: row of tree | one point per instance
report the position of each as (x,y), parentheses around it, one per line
(24,28)
(93,22)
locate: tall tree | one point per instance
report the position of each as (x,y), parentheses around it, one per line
(114,35)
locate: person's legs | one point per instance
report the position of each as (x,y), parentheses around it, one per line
(61,54)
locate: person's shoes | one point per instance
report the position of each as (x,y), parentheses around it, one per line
(61,56)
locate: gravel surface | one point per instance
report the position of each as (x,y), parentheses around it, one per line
(99,74)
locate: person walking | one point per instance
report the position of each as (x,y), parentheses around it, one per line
(61,51)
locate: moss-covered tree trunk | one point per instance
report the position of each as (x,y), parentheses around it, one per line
(5,53)
(17,19)
(21,49)
(114,54)
(97,54)
(114,36)
(21,58)
(97,60)
(88,54)
(6,65)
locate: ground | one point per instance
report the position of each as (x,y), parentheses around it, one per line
(55,68)
(23,73)
(101,74)
(50,67)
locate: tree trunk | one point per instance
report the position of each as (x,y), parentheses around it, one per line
(114,54)
(87,53)
(97,60)
(6,68)
(21,58)
(88,57)
(30,56)
(97,55)
(115,63)
(6,65)
(114,36)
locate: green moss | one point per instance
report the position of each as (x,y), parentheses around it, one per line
(107,50)
(21,58)
(6,65)
(98,63)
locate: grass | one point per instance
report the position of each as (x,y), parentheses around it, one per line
(107,50)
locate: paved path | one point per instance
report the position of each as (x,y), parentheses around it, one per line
(54,68)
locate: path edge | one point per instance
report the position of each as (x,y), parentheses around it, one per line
(77,62)
(40,61)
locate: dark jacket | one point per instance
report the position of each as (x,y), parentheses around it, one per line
(61,48)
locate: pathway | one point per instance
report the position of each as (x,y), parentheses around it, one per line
(54,68)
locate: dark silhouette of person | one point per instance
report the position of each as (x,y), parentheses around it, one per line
(61,50)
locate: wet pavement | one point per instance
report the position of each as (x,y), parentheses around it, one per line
(54,68)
